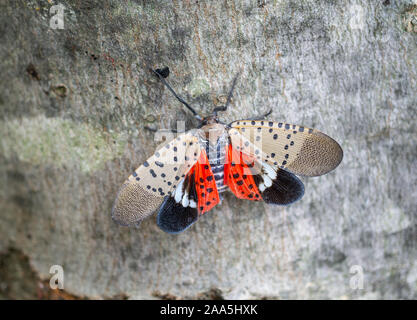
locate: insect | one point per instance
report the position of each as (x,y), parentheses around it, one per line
(256,159)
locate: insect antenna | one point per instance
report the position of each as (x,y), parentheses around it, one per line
(260,117)
(162,74)
(229,97)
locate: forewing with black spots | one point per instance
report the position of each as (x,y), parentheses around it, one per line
(298,149)
(145,190)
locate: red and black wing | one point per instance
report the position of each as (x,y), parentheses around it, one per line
(195,194)
(250,178)
(239,175)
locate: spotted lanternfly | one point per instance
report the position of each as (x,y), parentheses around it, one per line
(255,159)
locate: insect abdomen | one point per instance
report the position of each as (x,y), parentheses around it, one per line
(217,158)
(218,172)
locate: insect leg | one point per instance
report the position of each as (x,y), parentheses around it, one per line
(162,74)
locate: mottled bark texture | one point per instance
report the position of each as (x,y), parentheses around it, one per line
(74,104)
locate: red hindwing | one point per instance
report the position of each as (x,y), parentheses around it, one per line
(205,184)
(238,177)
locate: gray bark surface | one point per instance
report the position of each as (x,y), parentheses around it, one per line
(74,104)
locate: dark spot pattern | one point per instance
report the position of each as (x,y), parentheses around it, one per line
(159,164)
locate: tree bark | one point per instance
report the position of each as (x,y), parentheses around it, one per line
(74,103)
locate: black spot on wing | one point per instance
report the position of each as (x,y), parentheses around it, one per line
(174,218)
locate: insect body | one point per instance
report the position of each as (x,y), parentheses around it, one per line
(256,160)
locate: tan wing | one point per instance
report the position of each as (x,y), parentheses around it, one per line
(144,191)
(300,150)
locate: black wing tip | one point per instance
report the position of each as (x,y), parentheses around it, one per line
(286,189)
(170,231)
(173,218)
(168,228)
(300,191)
